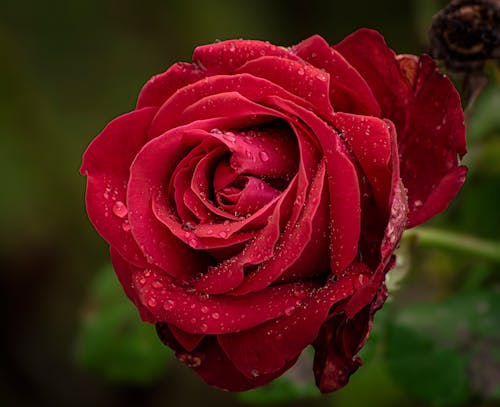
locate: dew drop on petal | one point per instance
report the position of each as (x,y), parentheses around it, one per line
(126,226)
(119,209)
(152,302)
(263,156)
(204,309)
(223,234)
(203,327)
(157,284)
(301,71)
(289,311)
(168,305)
(215,315)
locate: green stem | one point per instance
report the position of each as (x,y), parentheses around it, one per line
(429,237)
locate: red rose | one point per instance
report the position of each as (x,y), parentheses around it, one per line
(253,199)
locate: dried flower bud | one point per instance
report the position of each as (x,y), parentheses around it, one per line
(465,34)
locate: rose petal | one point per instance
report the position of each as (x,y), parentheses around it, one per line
(425,107)
(343,187)
(106,164)
(154,163)
(248,86)
(211,363)
(303,80)
(380,70)
(160,87)
(173,304)
(268,347)
(188,341)
(292,243)
(349,92)
(337,344)
(431,144)
(124,273)
(371,143)
(226,56)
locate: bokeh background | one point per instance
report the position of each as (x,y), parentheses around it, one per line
(70,338)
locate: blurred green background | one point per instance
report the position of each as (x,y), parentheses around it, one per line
(69,335)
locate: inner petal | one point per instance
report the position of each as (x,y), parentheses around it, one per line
(246,195)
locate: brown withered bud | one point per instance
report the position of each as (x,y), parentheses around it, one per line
(466,34)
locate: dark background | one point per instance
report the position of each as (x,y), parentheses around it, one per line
(66,69)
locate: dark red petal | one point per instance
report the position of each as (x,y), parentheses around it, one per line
(160,87)
(368,53)
(425,107)
(345,210)
(106,164)
(349,92)
(338,343)
(248,86)
(197,313)
(123,271)
(188,341)
(371,144)
(432,143)
(268,347)
(396,224)
(292,243)
(150,170)
(227,56)
(303,80)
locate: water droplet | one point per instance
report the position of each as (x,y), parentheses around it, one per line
(168,305)
(126,226)
(232,47)
(322,77)
(142,281)
(157,284)
(152,302)
(301,71)
(223,234)
(204,309)
(193,320)
(299,295)
(215,315)
(230,137)
(203,327)
(255,373)
(119,209)
(289,311)
(263,156)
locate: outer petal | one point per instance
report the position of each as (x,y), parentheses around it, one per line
(425,107)
(349,92)
(106,164)
(160,87)
(210,362)
(227,56)
(367,51)
(123,271)
(338,343)
(270,346)
(430,146)
(195,313)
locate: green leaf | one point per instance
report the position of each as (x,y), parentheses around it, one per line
(113,342)
(443,353)
(297,383)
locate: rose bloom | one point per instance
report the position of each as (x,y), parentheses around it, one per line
(253,199)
